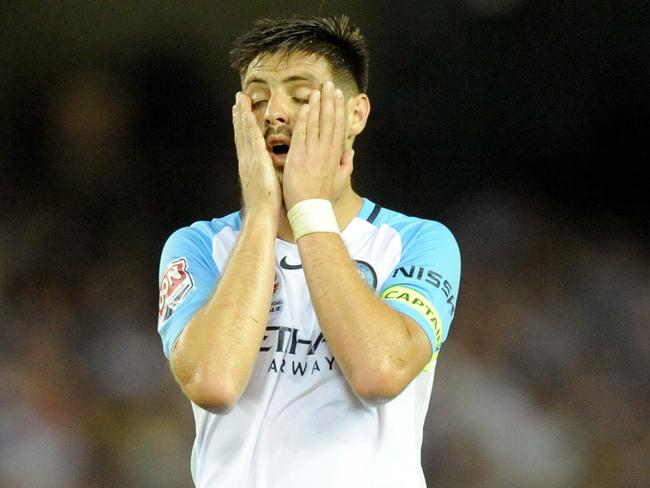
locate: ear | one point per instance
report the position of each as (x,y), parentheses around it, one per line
(358,112)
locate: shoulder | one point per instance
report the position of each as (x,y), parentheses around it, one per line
(414,229)
(204,231)
(198,238)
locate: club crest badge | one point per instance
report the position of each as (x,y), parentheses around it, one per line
(175,284)
(367,273)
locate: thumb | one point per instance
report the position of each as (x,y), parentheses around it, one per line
(347,163)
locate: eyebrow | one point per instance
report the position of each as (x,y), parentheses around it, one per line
(288,79)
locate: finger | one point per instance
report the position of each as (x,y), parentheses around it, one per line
(254,136)
(242,106)
(338,132)
(344,169)
(236,120)
(243,112)
(244,102)
(347,162)
(248,120)
(313,122)
(248,136)
(299,133)
(327,112)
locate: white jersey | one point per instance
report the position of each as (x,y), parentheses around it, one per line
(298,423)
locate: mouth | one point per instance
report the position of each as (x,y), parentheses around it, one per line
(278,147)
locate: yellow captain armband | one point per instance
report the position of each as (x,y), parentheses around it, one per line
(417,302)
(432,361)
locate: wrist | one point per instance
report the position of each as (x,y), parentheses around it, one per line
(266,216)
(312,215)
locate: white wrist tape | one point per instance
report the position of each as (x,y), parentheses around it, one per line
(314,215)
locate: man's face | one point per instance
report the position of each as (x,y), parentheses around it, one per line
(278,86)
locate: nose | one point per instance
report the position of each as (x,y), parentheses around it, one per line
(277,111)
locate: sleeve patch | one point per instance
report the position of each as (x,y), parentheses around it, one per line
(420,304)
(175,284)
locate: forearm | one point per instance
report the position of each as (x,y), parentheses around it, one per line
(377,348)
(214,356)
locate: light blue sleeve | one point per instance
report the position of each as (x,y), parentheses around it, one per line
(187,279)
(424,284)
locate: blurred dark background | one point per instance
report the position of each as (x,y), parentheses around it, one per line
(521,125)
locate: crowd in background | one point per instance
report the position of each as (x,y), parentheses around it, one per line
(543,381)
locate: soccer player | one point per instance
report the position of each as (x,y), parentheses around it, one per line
(305,328)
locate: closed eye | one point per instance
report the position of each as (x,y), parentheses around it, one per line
(258,104)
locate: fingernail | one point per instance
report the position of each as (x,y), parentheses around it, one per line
(329,85)
(339,93)
(317,94)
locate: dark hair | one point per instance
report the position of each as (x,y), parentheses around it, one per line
(335,38)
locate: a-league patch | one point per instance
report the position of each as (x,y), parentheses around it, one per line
(175,285)
(276,303)
(276,284)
